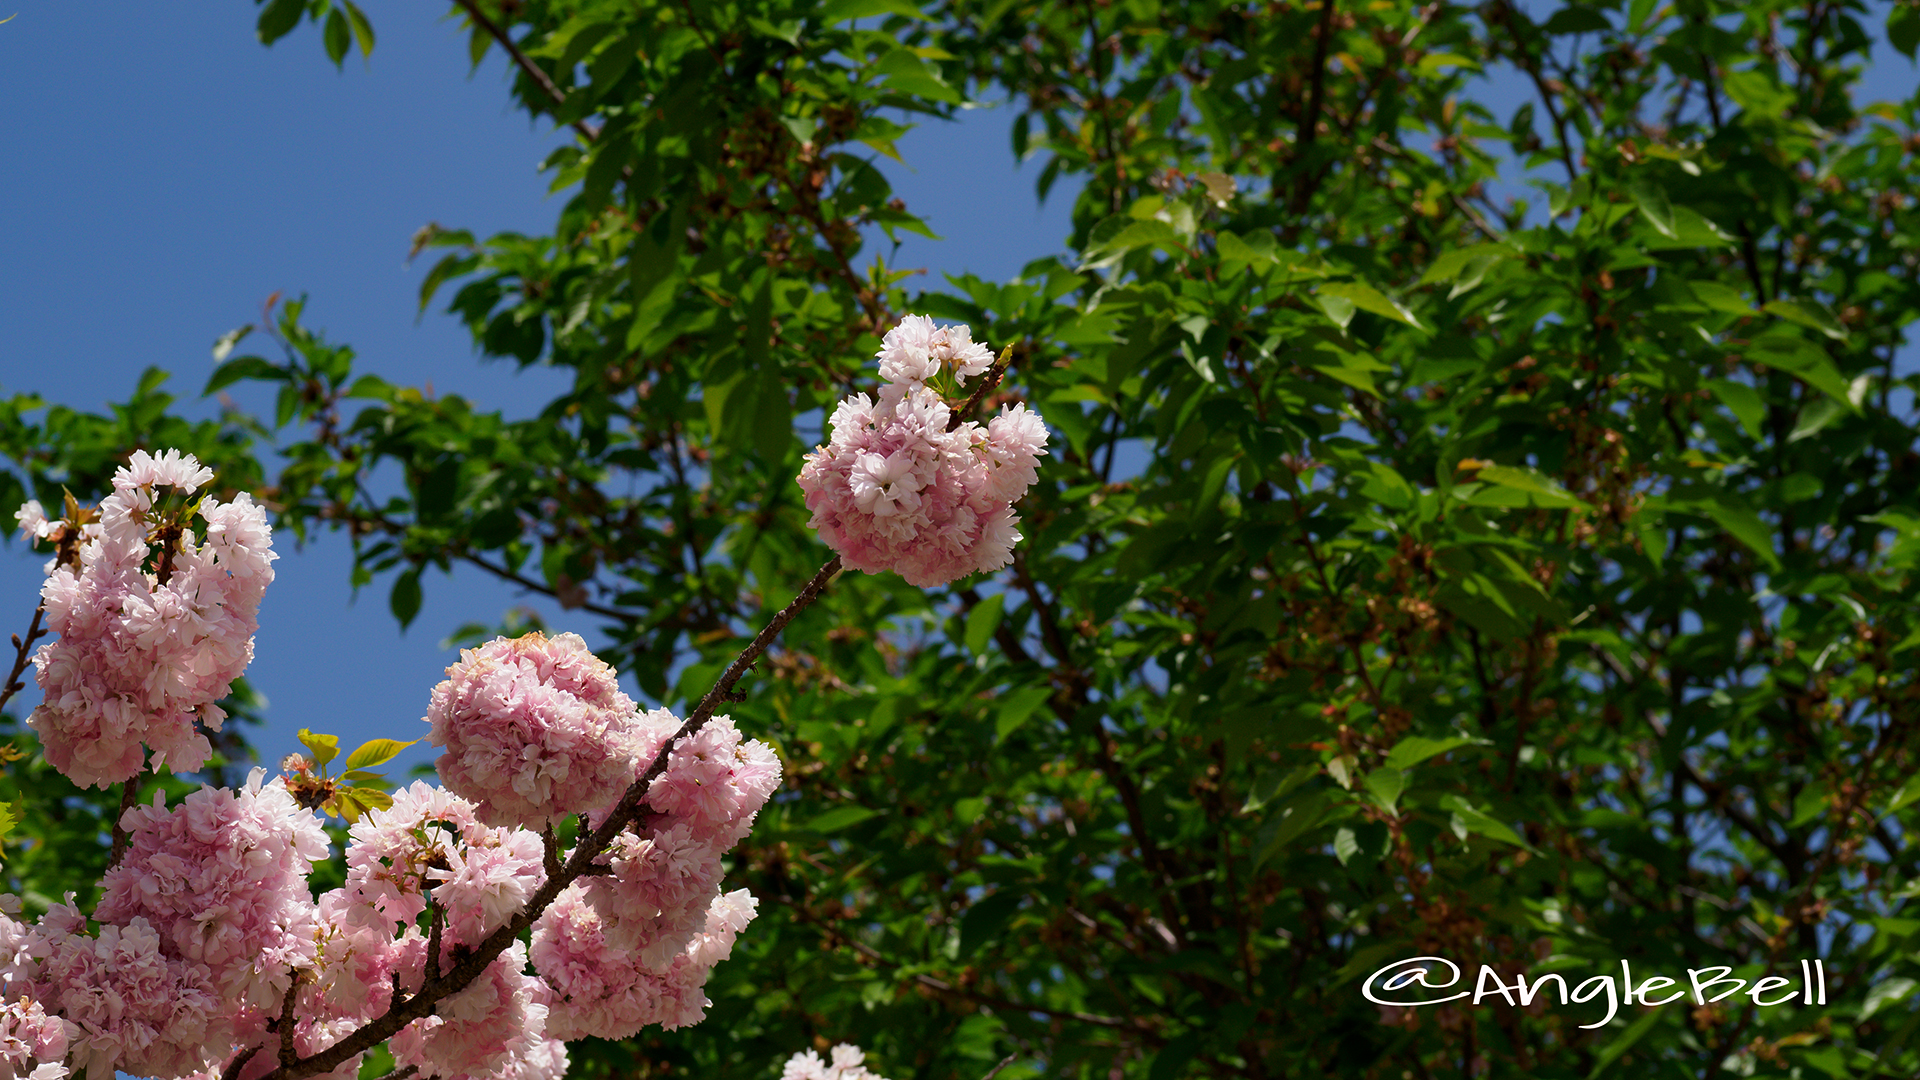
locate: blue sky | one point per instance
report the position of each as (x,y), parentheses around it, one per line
(166,174)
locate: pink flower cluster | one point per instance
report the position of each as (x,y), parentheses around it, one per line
(33,1045)
(845,1063)
(202,923)
(149,639)
(431,844)
(535,729)
(894,489)
(207,931)
(635,947)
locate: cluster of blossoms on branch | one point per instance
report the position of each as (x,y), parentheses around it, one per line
(901,487)
(467,937)
(149,640)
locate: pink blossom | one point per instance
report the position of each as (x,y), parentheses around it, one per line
(223,879)
(715,782)
(489,1030)
(894,490)
(32,1044)
(845,1063)
(141,660)
(535,729)
(599,990)
(132,1009)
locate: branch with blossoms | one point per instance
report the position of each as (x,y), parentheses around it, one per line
(465,937)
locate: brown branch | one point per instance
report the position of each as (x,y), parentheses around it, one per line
(129,794)
(472,963)
(988,381)
(1004,1062)
(22,656)
(533,71)
(1316,102)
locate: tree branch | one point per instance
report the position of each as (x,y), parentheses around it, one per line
(533,71)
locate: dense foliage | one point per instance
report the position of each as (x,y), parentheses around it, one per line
(1419,569)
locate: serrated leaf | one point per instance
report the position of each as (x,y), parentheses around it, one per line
(1478,822)
(1805,361)
(322,748)
(362,28)
(375,752)
(1741,523)
(1654,204)
(404,601)
(1367,298)
(1720,297)
(1886,992)
(1415,749)
(337,37)
(1538,488)
(1811,314)
(1345,844)
(242,367)
(1385,785)
(982,621)
(1743,402)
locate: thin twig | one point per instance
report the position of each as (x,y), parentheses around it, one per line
(991,380)
(122,839)
(534,71)
(1316,101)
(1004,1062)
(22,656)
(232,1071)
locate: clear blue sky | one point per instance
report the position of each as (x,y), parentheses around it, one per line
(165,174)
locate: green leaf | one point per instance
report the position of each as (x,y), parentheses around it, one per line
(982,621)
(1338,308)
(1415,749)
(839,11)
(1175,1056)
(1907,794)
(322,748)
(1287,823)
(1743,402)
(840,817)
(243,367)
(405,598)
(1903,29)
(1576,20)
(1367,298)
(986,918)
(1385,785)
(1479,822)
(1345,845)
(1811,314)
(1740,522)
(1806,361)
(1016,708)
(1718,297)
(362,28)
(278,19)
(1537,488)
(375,752)
(1653,202)
(1886,992)
(1137,234)
(1276,785)
(337,38)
